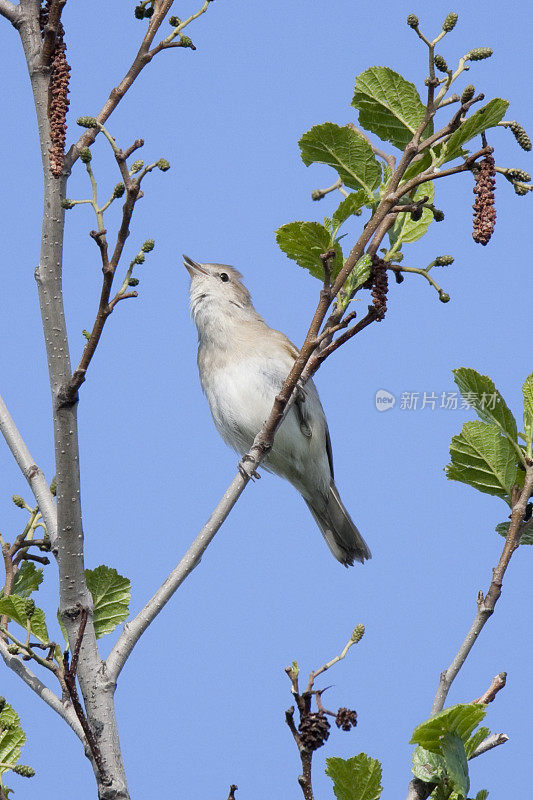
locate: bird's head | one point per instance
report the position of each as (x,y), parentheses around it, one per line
(215,289)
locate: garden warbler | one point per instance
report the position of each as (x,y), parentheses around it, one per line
(243,364)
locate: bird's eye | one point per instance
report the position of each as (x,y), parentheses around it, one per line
(224,277)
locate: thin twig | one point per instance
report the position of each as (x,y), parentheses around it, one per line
(487,603)
(232,789)
(498,682)
(495,740)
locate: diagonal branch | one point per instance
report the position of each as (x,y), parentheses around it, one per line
(32,473)
(487,603)
(10,11)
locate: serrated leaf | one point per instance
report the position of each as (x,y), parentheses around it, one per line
(388,105)
(14,607)
(460,719)
(503,529)
(427,766)
(527,391)
(486,117)
(350,205)
(481,393)
(405,230)
(357,778)
(482,795)
(483,458)
(475,740)
(453,751)
(304,242)
(111,596)
(28,579)
(12,739)
(344,150)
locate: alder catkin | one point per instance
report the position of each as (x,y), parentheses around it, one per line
(58,103)
(484,209)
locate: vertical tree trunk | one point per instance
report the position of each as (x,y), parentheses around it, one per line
(97,690)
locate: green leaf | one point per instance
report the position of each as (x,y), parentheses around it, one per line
(14,607)
(304,242)
(475,740)
(111,596)
(486,117)
(344,150)
(480,392)
(460,719)
(527,390)
(388,105)
(28,579)
(405,230)
(416,167)
(350,205)
(427,766)
(357,778)
(453,751)
(503,529)
(482,795)
(483,458)
(12,739)
(359,275)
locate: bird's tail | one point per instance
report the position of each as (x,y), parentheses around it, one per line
(338,529)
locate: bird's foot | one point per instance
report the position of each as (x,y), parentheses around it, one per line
(254,475)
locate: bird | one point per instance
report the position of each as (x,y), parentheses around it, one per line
(242,364)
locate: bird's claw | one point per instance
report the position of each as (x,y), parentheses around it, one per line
(254,475)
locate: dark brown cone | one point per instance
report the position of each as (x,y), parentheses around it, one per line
(484,209)
(346,719)
(59,102)
(314,730)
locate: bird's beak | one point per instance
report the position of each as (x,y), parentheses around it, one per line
(192,267)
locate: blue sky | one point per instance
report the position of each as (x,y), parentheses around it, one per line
(201,702)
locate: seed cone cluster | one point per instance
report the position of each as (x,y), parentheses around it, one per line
(314,730)
(484,209)
(59,102)
(380,286)
(346,719)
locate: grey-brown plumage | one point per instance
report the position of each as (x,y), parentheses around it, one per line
(243,364)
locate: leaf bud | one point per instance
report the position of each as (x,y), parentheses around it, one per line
(53,487)
(416,214)
(85,155)
(444,261)
(133,282)
(66,203)
(521,190)
(119,190)
(358,633)
(397,258)
(17,499)
(468,93)
(148,245)
(86,334)
(440,63)
(87,122)
(450,22)
(186,42)
(46,546)
(444,297)
(479,53)
(29,607)
(316,194)
(136,166)
(162,164)
(412,21)
(438,215)
(139,258)
(24,770)
(13,649)
(520,135)
(174,21)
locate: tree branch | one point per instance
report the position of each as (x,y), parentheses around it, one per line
(36,480)
(10,11)
(65,712)
(486,605)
